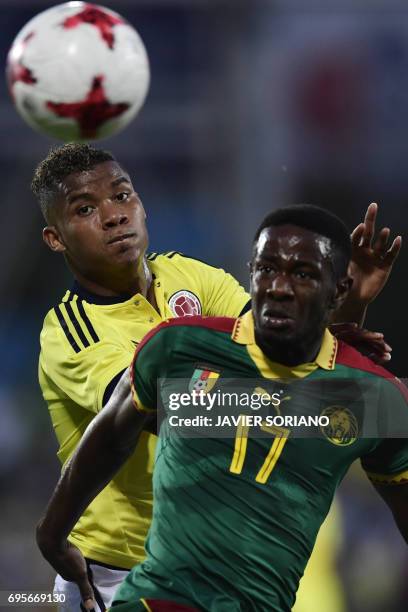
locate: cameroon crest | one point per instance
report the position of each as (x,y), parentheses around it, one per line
(203,380)
(342,429)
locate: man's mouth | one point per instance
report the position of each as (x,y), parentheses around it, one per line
(122,237)
(278,319)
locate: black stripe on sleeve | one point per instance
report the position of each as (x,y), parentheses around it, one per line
(65,328)
(111,387)
(76,324)
(245,308)
(87,322)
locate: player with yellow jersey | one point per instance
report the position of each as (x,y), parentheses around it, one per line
(97,221)
(86,343)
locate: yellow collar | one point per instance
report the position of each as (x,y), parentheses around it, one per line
(244,333)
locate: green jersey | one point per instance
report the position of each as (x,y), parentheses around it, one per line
(235,519)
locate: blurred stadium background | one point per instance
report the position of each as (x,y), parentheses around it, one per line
(253,104)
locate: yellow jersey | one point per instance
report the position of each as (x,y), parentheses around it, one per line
(87,341)
(321,588)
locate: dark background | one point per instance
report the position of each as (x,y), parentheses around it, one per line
(253,104)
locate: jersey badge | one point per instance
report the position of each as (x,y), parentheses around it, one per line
(203,379)
(185,304)
(342,429)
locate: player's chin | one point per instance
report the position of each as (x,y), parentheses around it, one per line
(279,336)
(126,251)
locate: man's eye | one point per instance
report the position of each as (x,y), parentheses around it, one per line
(302,274)
(122,196)
(84,210)
(265,269)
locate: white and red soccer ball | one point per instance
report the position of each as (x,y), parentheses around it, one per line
(78,71)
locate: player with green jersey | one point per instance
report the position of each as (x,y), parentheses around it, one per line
(235,520)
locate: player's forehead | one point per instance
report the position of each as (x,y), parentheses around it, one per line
(294,242)
(99,176)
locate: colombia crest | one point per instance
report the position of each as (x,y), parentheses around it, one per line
(185,304)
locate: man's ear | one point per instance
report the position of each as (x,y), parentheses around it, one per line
(53,239)
(343,287)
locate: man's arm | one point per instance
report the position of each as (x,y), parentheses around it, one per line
(396,498)
(107,443)
(370,266)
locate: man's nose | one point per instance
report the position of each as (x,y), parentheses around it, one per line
(280,287)
(112,215)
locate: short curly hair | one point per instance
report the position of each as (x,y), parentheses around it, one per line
(59,163)
(317,220)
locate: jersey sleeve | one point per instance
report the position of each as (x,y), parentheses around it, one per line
(84,375)
(388,462)
(220,293)
(147,366)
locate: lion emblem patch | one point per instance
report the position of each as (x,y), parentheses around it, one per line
(342,429)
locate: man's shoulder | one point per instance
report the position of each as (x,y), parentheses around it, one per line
(52,317)
(179,261)
(69,321)
(194,287)
(352,359)
(177,326)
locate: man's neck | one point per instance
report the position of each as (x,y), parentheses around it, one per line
(138,279)
(289,354)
